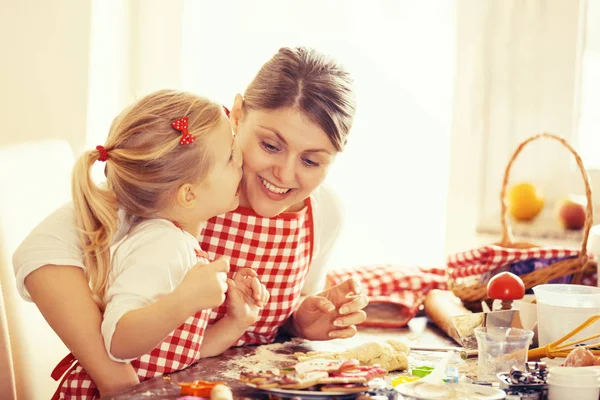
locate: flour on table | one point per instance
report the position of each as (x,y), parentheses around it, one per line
(266,357)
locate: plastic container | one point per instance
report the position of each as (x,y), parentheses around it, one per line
(561,308)
(570,383)
(500,349)
(527,311)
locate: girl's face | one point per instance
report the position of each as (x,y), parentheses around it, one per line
(220,188)
(286,157)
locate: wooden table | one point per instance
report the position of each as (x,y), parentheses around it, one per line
(226,367)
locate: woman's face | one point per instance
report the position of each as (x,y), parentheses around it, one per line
(286,156)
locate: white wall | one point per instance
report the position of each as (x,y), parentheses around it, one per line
(44,93)
(43,73)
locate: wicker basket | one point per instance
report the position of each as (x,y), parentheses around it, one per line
(472,294)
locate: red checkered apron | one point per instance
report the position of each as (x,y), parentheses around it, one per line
(179,350)
(279,249)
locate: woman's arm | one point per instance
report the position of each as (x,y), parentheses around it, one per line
(65,300)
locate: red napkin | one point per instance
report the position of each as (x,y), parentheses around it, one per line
(395,292)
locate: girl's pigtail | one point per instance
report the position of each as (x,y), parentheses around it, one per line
(96,216)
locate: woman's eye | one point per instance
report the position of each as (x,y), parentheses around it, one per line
(269,147)
(310,163)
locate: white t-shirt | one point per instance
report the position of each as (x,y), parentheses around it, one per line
(55,241)
(149,262)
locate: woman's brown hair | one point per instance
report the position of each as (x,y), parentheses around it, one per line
(315,84)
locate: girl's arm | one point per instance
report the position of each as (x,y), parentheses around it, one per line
(245,299)
(221,336)
(64,298)
(157,285)
(138,331)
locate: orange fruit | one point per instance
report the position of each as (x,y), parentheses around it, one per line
(524,201)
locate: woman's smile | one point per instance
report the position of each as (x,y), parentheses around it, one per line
(272,191)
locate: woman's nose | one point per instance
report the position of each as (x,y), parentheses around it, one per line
(284,171)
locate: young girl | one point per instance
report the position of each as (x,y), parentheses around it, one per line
(171,164)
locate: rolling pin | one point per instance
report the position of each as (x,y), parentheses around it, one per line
(440,305)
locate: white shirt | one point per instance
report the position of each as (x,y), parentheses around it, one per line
(55,241)
(148,263)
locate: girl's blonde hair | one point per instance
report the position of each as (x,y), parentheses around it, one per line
(311,82)
(146,165)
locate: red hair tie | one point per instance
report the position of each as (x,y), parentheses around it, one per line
(181,125)
(103,156)
(226,111)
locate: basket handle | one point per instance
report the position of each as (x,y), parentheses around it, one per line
(507,239)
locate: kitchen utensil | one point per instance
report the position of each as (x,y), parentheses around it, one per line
(465,324)
(561,307)
(446,311)
(562,347)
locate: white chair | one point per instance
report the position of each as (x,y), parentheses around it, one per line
(35,179)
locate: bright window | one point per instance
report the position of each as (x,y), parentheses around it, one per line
(531,74)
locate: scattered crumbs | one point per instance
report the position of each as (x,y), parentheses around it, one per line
(265,357)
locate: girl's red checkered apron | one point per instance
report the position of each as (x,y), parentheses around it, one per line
(179,350)
(279,249)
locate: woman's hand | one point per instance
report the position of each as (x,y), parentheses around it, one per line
(333,313)
(246,297)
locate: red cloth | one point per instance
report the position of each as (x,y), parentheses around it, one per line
(404,286)
(488,258)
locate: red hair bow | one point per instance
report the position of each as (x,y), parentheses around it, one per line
(182,126)
(102,153)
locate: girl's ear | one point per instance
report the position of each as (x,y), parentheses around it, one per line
(186,196)
(236,112)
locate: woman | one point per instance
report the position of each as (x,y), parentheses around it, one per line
(291,122)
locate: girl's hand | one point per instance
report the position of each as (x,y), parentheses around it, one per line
(246,297)
(204,286)
(333,313)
